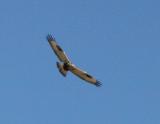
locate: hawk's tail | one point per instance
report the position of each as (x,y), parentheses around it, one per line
(61,69)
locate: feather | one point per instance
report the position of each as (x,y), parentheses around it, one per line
(57,49)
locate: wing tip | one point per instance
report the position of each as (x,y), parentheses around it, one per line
(98,83)
(50,38)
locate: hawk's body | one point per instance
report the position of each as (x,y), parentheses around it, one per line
(67,65)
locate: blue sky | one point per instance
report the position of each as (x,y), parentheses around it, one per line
(116,41)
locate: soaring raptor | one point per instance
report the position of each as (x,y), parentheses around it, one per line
(67,65)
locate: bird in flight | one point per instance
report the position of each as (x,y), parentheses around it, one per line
(66,65)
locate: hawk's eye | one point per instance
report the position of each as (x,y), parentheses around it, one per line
(89,76)
(59,48)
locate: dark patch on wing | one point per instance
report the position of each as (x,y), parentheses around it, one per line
(65,66)
(59,48)
(89,76)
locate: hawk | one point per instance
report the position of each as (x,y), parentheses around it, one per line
(66,65)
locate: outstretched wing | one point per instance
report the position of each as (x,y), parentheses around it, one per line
(57,49)
(83,75)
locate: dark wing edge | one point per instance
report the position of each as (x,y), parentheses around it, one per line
(98,83)
(50,38)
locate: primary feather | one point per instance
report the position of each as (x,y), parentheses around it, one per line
(57,50)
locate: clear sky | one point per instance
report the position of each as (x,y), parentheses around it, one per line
(116,41)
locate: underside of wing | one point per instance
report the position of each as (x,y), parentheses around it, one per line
(57,49)
(83,75)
